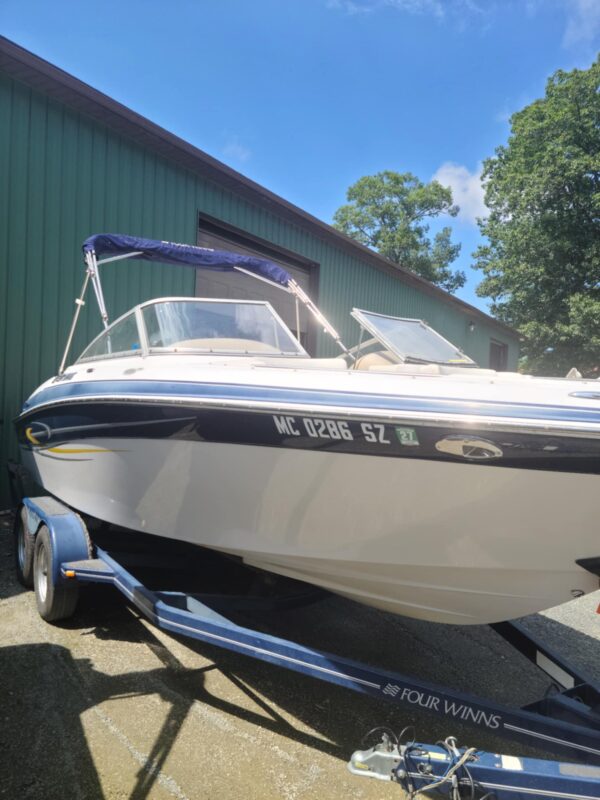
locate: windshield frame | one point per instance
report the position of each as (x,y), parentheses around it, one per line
(406,358)
(146,350)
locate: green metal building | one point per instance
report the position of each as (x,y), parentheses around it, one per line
(75,162)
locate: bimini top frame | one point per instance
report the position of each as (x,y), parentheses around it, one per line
(117,247)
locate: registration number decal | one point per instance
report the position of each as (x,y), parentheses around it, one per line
(332,429)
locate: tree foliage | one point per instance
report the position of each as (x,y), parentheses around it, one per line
(541,264)
(389,212)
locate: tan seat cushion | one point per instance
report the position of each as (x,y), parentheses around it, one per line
(225,344)
(382,358)
(304,363)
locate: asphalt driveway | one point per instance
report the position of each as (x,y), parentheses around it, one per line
(107,706)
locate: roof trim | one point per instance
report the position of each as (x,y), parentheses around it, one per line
(43,76)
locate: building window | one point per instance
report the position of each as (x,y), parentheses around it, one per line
(498,356)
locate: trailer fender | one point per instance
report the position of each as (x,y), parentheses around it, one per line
(69,536)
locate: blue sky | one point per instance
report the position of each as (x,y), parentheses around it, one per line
(306,96)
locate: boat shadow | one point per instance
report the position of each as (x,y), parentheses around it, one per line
(329,718)
(47,690)
(579,640)
(323,717)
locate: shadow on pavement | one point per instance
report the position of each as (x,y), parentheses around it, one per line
(9,585)
(578,647)
(43,748)
(44,690)
(474,660)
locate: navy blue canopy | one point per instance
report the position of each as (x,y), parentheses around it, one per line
(116,244)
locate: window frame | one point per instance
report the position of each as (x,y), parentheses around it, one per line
(146,350)
(197,351)
(142,351)
(359,315)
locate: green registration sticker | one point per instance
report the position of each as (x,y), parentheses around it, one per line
(407,437)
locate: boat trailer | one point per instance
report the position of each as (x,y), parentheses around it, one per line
(55,554)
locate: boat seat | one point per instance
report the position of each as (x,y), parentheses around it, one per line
(382,358)
(437,369)
(383,361)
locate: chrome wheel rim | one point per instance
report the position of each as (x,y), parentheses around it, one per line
(42,573)
(21,547)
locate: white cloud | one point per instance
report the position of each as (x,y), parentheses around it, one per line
(467,190)
(531,7)
(352,6)
(235,150)
(436,8)
(583,22)
(418,6)
(582,16)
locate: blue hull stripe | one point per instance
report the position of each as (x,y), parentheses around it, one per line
(278,395)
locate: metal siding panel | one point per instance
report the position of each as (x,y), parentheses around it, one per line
(6,123)
(33,308)
(146,273)
(50,224)
(97,210)
(135,159)
(111,202)
(16,258)
(152,280)
(166,211)
(64,274)
(83,224)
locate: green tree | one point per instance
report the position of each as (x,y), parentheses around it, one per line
(541,264)
(388,212)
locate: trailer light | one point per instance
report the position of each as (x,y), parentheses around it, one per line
(69,573)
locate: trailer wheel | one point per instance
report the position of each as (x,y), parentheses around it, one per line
(54,600)
(24,544)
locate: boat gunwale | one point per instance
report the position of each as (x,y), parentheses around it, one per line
(434,419)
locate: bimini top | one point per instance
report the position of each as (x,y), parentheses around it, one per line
(117,244)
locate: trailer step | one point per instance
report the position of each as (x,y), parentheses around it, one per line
(89,569)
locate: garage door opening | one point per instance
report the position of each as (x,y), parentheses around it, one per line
(237,286)
(498,355)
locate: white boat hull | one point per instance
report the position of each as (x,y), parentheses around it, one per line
(446,542)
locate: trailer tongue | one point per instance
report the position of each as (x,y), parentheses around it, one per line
(467,772)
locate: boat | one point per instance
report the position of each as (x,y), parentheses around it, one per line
(398,474)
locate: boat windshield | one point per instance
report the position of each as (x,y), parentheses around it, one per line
(218,326)
(411,340)
(177,325)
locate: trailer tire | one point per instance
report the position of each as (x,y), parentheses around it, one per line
(55,601)
(24,544)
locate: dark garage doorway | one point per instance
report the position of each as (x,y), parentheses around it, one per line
(498,355)
(237,286)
